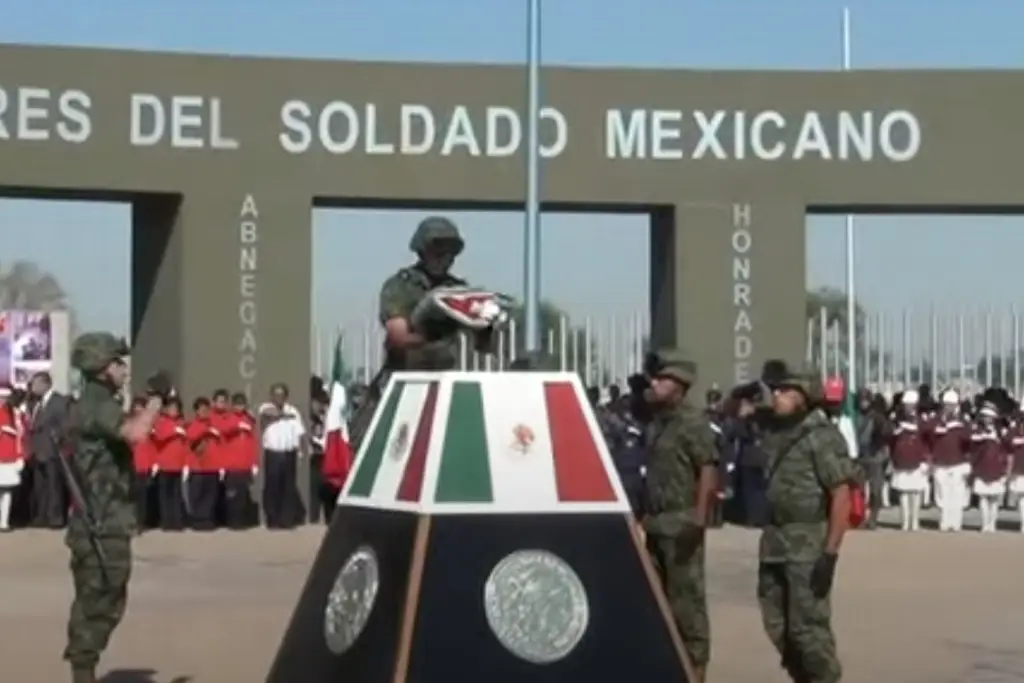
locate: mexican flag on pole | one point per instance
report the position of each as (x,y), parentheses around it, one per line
(338,455)
(848,423)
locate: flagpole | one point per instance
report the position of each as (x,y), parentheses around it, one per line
(531,227)
(851,303)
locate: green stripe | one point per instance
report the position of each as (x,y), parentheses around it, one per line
(362,484)
(465,472)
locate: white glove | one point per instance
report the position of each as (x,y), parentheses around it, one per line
(221,473)
(492,313)
(179,430)
(215,432)
(154,470)
(184,472)
(245,426)
(255,470)
(19,464)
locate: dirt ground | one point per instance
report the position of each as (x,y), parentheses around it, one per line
(923,607)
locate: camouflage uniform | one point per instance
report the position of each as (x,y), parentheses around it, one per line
(806,461)
(103,461)
(399,296)
(681,445)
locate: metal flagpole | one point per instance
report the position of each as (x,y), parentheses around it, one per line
(531,228)
(851,303)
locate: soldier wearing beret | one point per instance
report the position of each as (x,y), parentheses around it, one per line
(681,481)
(436,243)
(808,495)
(100,439)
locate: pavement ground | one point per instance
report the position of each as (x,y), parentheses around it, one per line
(211,608)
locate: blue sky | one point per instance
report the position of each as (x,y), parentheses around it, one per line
(956,261)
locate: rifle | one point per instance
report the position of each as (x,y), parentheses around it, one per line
(81,504)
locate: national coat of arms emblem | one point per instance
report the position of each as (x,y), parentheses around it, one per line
(401,442)
(523,438)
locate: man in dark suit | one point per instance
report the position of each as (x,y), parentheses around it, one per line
(49,413)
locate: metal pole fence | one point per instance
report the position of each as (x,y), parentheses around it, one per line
(966,350)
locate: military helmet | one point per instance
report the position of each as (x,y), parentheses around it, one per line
(807,382)
(435,229)
(92,352)
(673,363)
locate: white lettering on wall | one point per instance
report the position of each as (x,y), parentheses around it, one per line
(341,127)
(727,135)
(743,328)
(41,114)
(248,310)
(178,122)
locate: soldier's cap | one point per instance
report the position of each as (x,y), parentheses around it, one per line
(92,352)
(674,364)
(806,382)
(436,230)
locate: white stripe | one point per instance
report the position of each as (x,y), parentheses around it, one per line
(389,476)
(521,479)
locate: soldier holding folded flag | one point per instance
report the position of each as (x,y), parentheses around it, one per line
(423,308)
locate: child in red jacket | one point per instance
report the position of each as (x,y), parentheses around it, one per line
(172,452)
(144,458)
(241,446)
(12,457)
(202,469)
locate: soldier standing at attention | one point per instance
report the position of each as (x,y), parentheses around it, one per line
(436,243)
(100,538)
(808,494)
(682,471)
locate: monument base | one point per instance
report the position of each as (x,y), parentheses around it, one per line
(432,617)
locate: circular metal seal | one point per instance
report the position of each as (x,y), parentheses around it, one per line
(351,599)
(536,606)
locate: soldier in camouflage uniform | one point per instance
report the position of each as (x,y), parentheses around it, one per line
(681,481)
(100,438)
(436,243)
(808,497)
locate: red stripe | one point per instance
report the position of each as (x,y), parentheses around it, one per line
(412,478)
(580,475)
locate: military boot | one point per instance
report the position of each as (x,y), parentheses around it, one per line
(83,674)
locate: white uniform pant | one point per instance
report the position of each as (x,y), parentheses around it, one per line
(1016,487)
(951,496)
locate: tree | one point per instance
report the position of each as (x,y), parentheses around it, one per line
(555,325)
(829,304)
(1005,371)
(23,285)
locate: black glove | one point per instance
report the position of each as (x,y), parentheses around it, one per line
(823,574)
(160,385)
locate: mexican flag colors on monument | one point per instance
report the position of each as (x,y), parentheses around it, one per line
(491,444)
(483,515)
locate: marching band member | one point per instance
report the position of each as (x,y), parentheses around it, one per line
(909,462)
(1016,479)
(928,415)
(989,465)
(951,444)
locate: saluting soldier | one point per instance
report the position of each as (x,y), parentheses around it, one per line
(682,471)
(436,242)
(100,530)
(808,493)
